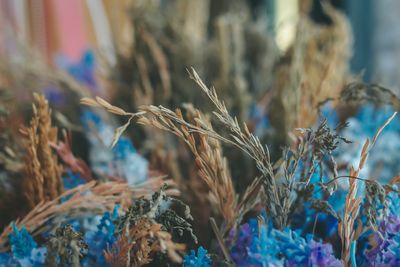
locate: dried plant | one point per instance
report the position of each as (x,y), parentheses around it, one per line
(375,196)
(245,141)
(313,70)
(10,148)
(118,255)
(150,226)
(311,157)
(212,165)
(208,153)
(76,165)
(137,246)
(358,91)
(196,131)
(91,197)
(43,173)
(65,248)
(346,230)
(114,110)
(173,214)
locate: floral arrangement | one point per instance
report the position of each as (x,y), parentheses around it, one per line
(129,169)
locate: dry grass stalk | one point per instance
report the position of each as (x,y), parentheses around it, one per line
(346,229)
(91,197)
(161,60)
(248,143)
(43,173)
(203,141)
(134,247)
(212,165)
(209,159)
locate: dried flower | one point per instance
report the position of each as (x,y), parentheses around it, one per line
(159,209)
(137,246)
(65,248)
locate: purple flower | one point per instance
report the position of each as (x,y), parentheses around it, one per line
(322,255)
(254,246)
(304,252)
(386,244)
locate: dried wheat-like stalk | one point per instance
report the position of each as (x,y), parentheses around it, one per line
(213,168)
(133,248)
(91,197)
(346,229)
(248,143)
(208,152)
(43,173)
(202,140)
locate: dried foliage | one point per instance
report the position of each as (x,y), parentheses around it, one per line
(11,160)
(137,245)
(312,71)
(225,42)
(196,134)
(346,227)
(160,209)
(112,109)
(65,248)
(43,172)
(76,165)
(10,148)
(358,91)
(151,226)
(156,42)
(313,155)
(91,197)
(202,140)
(209,159)
(245,141)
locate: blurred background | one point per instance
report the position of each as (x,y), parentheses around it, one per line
(71,27)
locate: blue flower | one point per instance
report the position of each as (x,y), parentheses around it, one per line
(393,203)
(21,242)
(24,250)
(72,180)
(298,251)
(98,241)
(254,246)
(199,260)
(123,148)
(383,162)
(83,71)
